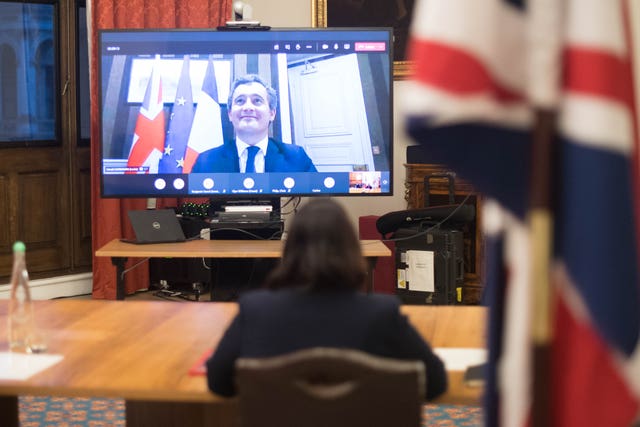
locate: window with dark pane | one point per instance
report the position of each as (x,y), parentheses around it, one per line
(84,103)
(28,72)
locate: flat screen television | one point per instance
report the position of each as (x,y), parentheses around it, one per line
(164,97)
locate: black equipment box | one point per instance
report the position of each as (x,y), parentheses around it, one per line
(434,258)
(429,252)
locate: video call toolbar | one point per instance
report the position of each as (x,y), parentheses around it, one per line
(283,184)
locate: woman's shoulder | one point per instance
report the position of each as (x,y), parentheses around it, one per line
(251,296)
(262,297)
(382,301)
(266,296)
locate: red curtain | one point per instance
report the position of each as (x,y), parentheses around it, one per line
(108,216)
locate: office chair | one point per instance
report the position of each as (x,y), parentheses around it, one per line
(330,387)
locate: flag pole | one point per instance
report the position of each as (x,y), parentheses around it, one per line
(541,227)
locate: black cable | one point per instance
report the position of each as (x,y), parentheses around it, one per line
(296,202)
(434,226)
(125,271)
(255,236)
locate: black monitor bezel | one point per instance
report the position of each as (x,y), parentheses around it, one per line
(247,32)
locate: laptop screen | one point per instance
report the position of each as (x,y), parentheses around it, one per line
(156,226)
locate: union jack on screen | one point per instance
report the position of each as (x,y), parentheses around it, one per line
(482,70)
(148,138)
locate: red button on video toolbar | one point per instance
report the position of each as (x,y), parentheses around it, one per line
(371,46)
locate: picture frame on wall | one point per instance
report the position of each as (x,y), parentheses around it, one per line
(370,13)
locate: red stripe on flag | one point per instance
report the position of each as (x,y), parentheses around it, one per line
(597,73)
(151,136)
(588,389)
(455,70)
(158,102)
(190,158)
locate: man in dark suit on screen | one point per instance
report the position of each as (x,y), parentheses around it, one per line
(252,107)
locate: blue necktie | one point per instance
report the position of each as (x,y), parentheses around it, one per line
(251,158)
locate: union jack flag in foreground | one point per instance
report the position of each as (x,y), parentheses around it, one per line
(484,68)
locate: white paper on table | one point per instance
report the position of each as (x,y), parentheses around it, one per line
(420,273)
(20,366)
(459,358)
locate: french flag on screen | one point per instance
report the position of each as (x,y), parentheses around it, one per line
(206,132)
(482,70)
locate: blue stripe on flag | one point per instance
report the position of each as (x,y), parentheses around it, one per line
(494,298)
(595,236)
(494,159)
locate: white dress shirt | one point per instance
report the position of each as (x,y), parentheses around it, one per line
(260,155)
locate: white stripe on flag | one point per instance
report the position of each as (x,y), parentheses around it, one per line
(596,23)
(206,132)
(596,122)
(514,363)
(480,24)
(449,108)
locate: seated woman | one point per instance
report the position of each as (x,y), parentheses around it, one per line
(315,300)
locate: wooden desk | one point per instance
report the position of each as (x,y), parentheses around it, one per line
(141,351)
(120,251)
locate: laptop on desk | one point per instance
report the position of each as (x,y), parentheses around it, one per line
(155,226)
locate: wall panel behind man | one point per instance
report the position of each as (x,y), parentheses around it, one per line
(297,13)
(282,13)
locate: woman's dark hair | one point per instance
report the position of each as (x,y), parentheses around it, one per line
(322,250)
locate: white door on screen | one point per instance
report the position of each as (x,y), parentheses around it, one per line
(329,118)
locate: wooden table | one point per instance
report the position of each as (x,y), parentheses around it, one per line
(141,351)
(120,251)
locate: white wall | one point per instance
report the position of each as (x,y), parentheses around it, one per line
(372,205)
(297,13)
(365,205)
(282,13)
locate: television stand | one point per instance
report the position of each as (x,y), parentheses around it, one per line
(119,252)
(192,277)
(225,229)
(244,216)
(230,277)
(249,210)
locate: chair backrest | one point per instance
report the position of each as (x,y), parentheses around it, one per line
(330,387)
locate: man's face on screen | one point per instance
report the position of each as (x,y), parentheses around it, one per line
(250,113)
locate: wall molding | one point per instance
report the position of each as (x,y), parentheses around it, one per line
(56,287)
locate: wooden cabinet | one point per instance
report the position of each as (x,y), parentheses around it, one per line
(438,195)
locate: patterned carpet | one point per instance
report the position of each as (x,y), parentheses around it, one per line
(36,411)
(451,416)
(84,412)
